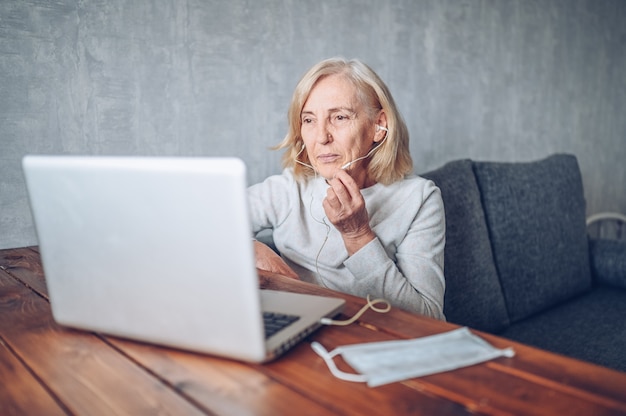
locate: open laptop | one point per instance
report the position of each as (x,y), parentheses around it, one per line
(160,250)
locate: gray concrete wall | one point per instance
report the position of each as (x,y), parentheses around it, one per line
(484,79)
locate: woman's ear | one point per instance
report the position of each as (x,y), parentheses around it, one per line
(381,127)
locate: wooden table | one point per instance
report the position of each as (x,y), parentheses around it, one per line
(46,369)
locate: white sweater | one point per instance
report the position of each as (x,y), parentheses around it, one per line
(404,264)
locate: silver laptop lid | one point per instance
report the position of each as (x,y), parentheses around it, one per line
(157,249)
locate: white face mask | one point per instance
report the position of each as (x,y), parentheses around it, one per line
(389,361)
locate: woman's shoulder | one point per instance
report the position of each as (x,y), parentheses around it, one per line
(414,181)
(285,182)
(284,179)
(412,186)
(408,194)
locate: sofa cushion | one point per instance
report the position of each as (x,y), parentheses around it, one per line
(473,295)
(535,213)
(590,327)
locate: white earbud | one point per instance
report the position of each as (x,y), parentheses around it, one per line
(379,128)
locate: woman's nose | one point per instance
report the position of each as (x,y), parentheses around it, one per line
(324,134)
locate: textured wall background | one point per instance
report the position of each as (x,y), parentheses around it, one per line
(501,80)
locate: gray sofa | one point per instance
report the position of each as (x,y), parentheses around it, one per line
(519,263)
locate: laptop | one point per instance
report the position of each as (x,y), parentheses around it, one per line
(160,250)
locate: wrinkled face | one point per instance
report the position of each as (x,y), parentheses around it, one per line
(336,128)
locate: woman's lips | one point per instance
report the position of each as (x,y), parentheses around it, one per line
(327,158)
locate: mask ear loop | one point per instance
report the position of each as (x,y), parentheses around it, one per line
(370,305)
(328,359)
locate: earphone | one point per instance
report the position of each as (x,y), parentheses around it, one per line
(302,163)
(378,128)
(347,165)
(328,228)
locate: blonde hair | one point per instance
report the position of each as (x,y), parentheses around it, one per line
(391,161)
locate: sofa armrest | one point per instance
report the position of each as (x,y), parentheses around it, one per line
(608,261)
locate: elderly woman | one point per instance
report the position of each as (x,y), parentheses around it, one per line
(346,212)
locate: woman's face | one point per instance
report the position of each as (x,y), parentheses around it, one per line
(336,128)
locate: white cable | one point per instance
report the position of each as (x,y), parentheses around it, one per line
(370,305)
(367,155)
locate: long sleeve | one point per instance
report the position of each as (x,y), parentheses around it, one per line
(407,271)
(404,264)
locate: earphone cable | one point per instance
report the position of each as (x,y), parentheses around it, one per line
(371,304)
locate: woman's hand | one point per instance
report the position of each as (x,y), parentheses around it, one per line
(267,259)
(345,208)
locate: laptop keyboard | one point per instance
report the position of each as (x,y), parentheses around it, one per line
(274,322)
